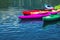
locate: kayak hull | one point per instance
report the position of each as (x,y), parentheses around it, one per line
(51,17)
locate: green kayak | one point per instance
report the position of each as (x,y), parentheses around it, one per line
(50,20)
(51,17)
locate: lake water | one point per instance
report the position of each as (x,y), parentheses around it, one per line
(12,29)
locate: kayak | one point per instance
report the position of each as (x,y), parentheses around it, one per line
(51,17)
(54,12)
(38,12)
(32,16)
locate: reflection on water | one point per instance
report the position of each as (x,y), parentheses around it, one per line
(9,16)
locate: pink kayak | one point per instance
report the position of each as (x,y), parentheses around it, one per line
(32,16)
(53,12)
